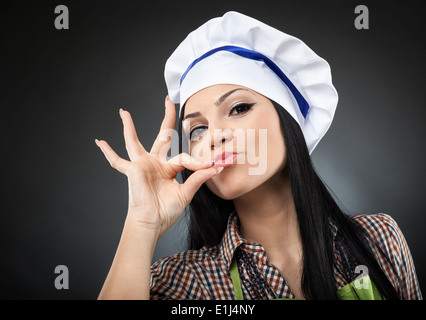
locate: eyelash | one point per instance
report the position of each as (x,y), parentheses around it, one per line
(247,107)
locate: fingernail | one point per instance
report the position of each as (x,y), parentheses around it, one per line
(97,142)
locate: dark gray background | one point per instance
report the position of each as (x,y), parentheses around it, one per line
(61,89)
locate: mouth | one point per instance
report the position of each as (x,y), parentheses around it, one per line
(225,159)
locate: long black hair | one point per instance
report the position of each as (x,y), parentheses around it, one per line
(316,212)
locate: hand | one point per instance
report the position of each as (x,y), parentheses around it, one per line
(156,198)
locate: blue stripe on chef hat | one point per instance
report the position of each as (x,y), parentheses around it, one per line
(250,54)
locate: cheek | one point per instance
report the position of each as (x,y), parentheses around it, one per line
(266,151)
(200,150)
(276,154)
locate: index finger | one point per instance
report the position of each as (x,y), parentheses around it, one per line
(167,124)
(134,148)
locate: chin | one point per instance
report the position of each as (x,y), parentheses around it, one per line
(231,183)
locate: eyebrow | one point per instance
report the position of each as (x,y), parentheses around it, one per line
(218,102)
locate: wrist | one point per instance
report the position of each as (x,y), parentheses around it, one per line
(142,229)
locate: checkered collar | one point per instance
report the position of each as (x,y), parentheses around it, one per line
(233,239)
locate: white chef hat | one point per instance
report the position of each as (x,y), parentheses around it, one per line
(237,49)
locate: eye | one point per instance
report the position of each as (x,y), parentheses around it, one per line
(238,109)
(241,108)
(196,132)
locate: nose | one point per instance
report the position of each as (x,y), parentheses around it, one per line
(219,137)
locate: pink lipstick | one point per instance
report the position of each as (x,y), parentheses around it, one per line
(224,159)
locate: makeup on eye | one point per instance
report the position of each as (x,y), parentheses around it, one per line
(245,106)
(242,107)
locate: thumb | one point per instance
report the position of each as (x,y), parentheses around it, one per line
(195,180)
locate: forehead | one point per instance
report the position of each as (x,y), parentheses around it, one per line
(212,96)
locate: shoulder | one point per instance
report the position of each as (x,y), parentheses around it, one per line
(382,227)
(385,233)
(392,252)
(179,276)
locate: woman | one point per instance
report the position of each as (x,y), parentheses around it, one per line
(255,102)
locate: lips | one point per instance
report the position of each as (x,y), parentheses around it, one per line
(224,159)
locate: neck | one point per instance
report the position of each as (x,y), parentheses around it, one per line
(268,216)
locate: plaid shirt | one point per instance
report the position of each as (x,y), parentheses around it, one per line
(204,273)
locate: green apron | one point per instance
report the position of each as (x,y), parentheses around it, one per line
(351,291)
